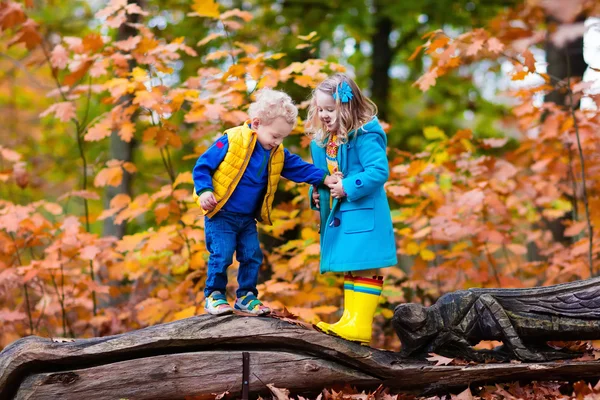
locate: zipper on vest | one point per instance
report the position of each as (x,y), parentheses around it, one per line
(240,172)
(266,202)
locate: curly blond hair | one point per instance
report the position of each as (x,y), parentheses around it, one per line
(271,104)
(352,115)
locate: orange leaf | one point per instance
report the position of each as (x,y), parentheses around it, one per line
(518,249)
(130,242)
(209,38)
(89,252)
(415,53)
(494,45)
(303,80)
(99,131)
(27,35)
(236,12)
(126,132)
(184,177)
(129,44)
(161,212)
(9,155)
(92,42)
(64,111)
(11,14)
(79,73)
(475,47)
(59,57)
(519,75)
(427,80)
(576,228)
(159,241)
(109,176)
(529,60)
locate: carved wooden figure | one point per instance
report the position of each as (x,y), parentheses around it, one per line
(523,319)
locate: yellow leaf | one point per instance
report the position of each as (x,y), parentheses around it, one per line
(468,145)
(308,37)
(198,260)
(412,248)
(179,269)
(208,38)
(235,70)
(433,133)
(185,313)
(427,254)
(248,48)
(184,177)
(206,8)
(459,247)
(303,80)
(139,75)
(275,56)
(441,157)
(308,233)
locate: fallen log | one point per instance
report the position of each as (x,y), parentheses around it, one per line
(202,356)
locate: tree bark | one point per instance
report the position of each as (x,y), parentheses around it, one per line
(381,60)
(563,62)
(119,149)
(202,356)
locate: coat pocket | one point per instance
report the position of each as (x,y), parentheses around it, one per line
(358,216)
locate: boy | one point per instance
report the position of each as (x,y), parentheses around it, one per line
(234,183)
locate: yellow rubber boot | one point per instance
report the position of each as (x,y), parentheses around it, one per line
(366,298)
(348,300)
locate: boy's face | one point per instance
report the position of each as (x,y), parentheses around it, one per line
(270,136)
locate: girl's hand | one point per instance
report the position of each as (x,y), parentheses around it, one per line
(331,179)
(315,197)
(337,190)
(208,201)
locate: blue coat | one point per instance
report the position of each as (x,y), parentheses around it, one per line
(357,231)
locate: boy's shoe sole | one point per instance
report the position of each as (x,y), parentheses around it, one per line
(219,312)
(263,312)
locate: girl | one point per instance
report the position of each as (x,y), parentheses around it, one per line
(356,226)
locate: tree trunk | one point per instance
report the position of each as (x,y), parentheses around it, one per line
(202,356)
(563,62)
(119,149)
(381,61)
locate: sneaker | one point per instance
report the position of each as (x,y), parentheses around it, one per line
(250,304)
(216,304)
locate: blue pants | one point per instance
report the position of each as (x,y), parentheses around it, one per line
(227,232)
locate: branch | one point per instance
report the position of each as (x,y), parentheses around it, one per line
(582,161)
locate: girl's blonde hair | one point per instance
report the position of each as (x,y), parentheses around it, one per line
(352,115)
(271,104)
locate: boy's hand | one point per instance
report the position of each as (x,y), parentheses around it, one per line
(337,190)
(208,201)
(331,179)
(315,197)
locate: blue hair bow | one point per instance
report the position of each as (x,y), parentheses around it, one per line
(344,92)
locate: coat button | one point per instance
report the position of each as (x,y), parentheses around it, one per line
(358,182)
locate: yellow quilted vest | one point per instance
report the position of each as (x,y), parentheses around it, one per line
(225,179)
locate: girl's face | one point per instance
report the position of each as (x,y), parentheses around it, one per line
(327,112)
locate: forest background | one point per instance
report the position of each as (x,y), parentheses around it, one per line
(106,106)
